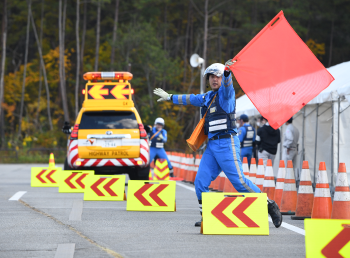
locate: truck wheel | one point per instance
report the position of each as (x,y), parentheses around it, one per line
(66,166)
(140,174)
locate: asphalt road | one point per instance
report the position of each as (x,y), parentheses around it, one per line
(45,223)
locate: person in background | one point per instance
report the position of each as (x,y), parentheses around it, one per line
(158,136)
(290,145)
(267,140)
(246,135)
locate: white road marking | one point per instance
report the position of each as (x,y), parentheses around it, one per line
(65,250)
(77,210)
(284,224)
(17,196)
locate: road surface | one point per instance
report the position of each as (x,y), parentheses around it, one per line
(40,222)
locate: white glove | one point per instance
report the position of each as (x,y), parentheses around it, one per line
(161,137)
(229,63)
(162,94)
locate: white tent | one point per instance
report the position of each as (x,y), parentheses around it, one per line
(322,123)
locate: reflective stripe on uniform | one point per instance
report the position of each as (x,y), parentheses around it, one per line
(216,122)
(217,127)
(239,172)
(159,145)
(184,101)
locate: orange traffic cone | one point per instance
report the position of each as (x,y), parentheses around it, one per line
(217,183)
(289,195)
(341,201)
(211,186)
(269,181)
(228,187)
(322,208)
(252,172)
(182,165)
(259,182)
(280,183)
(305,195)
(245,167)
(223,178)
(51,161)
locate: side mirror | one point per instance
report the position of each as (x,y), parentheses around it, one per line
(147,128)
(66,128)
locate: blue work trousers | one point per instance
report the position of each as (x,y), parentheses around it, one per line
(222,155)
(160,153)
(247,152)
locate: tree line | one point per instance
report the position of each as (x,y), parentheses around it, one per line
(47,46)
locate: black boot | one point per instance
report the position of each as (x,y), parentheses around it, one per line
(171,172)
(275,213)
(198,223)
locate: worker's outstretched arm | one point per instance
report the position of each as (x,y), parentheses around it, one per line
(185,99)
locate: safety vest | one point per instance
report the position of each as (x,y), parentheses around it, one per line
(217,120)
(249,136)
(156,141)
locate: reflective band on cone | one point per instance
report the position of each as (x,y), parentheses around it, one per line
(280,183)
(322,208)
(259,182)
(269,181)
(341,201)
(245,167)
(305,195)
(289,195)
(252,172)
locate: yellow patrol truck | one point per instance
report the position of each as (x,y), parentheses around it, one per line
(108,135)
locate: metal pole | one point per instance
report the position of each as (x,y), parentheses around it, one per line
(338,127)
(202,79)
(303,144)
(332,147)
(315,155)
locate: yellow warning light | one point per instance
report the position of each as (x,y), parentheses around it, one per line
(108,76)
(139,162)
(78,163)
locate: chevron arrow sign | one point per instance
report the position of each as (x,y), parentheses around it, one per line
(235,213)
(45,177)
(104,188)
(151,196)
(73,181)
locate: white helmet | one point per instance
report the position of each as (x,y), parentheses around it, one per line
(216,69)
(159,120)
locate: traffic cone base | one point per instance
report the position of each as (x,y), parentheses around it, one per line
(322,208)
(305,195)
(304,208)
(222,183)
(289,203)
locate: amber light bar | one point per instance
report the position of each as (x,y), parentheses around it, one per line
(108,76)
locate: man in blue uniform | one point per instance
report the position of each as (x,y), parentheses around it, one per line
(158,136)
(223,148)
(246,135)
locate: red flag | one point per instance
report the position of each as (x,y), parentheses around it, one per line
(278,72)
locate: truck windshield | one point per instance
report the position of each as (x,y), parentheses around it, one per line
(108,120)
